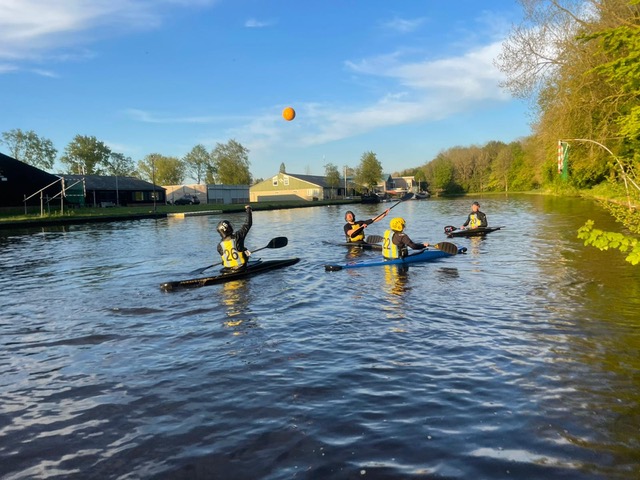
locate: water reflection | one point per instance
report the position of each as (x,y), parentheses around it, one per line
(396,277)
(236,297)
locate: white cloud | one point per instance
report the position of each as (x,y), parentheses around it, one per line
(402,25)
(31,28)
(147,117)
(254,23)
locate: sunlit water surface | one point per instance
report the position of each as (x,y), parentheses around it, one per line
(519,359)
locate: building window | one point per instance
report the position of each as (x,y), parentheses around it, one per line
(274,181)
(285,180)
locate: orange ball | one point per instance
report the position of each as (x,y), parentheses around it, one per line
(289,114)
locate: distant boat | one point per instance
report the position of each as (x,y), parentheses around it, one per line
(370,198)
(421,195)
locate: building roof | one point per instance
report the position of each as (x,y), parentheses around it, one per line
(315,179)
(110,182)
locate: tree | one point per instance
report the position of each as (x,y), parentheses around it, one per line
(120,165)
(197,163)
(30,148)
(231,161)
(161,170)
(332,176)
(86,155)
(439,173)
(369,172)
(283,169)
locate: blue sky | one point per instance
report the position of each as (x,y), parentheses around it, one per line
(404,79)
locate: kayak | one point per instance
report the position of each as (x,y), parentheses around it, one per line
(472,232)
(426,255)
(253,268)
(362,245)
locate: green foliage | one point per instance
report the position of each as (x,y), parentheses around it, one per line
(198,162)
(332,175)
(610,240)
(369,171)
(231,162)
(120,165)
(161,170)
(86,155)
(29,148)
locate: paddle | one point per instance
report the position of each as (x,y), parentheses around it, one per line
(375,219)
(450,228)
(277,242)
(374,239)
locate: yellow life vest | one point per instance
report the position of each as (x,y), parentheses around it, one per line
(474,221)
(231,257)
(360,236)
(389,249)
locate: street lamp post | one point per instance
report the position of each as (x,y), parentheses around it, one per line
(153,170)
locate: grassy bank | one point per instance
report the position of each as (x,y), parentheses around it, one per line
(17,217)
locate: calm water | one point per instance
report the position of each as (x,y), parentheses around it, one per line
(519,359)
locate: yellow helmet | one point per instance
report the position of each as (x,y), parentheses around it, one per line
(397,224)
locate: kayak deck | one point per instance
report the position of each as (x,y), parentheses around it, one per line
(425,255)
(472,232)
(250,270)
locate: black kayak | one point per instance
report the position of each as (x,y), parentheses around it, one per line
(362,245)
(251,269)
(471,232)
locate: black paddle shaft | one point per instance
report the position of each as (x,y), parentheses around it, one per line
(375,219)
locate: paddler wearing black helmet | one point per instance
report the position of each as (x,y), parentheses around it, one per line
(354,230)
(231,247)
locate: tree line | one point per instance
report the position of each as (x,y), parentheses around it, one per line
(227,163)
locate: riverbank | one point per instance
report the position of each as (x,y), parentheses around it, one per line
(113,214)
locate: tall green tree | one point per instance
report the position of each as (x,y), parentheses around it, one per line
(332,176)
(161,170)
(29,148)
(369,171)
(197,163)
(86,155)
(231,161)
(439,173)
(120,165)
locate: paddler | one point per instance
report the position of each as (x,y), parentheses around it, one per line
(231,247)
(396,243)
(354,230)
(476,218)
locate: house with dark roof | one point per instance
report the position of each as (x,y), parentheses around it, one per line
(110,190)
(290,186)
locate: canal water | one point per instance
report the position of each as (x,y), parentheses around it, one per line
(519,359)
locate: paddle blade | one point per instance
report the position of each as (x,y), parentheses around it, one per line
(278,242)
(406,196)
(374,239)
(446,247)
(332,268)
(449,229)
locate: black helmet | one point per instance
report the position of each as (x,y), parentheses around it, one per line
(347,213)
(224,228)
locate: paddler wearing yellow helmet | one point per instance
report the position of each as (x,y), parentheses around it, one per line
(396,243)
(354,230)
